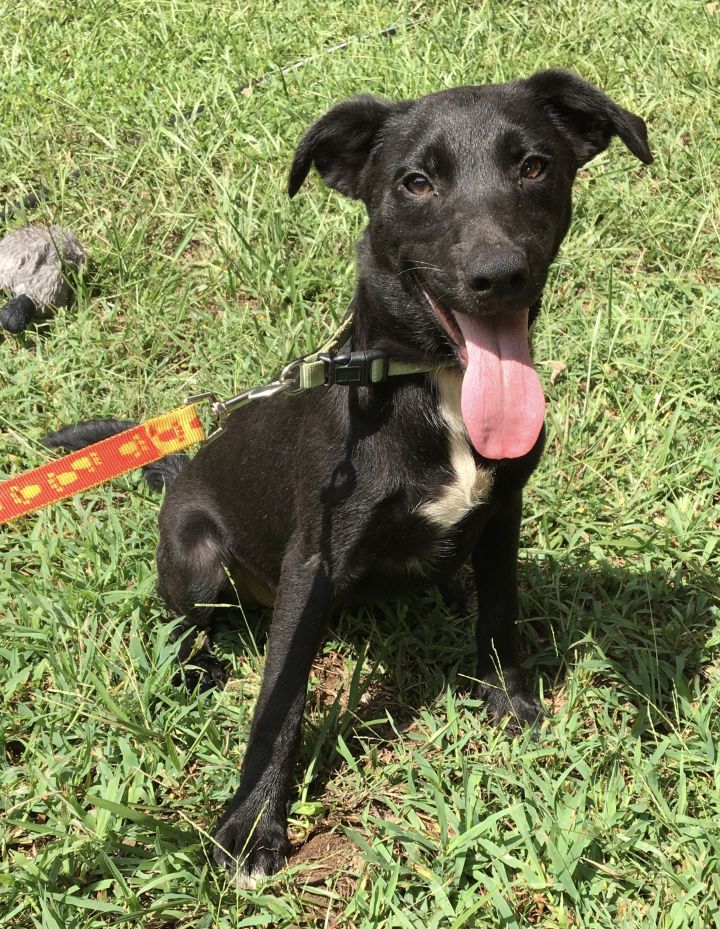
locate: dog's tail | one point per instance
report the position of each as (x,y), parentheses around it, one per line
(72,438)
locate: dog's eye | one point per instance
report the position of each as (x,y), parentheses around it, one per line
(418,184)
(532,168)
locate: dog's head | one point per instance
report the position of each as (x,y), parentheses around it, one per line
(468,196)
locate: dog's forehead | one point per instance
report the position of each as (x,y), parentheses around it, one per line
(465,121)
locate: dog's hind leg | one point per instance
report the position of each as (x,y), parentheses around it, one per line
(191,562)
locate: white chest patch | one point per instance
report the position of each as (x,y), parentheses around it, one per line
(468,486)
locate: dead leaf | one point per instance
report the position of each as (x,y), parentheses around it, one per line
(556,369)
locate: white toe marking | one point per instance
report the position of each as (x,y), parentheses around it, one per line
(246,881)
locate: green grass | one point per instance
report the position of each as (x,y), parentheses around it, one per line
(411,811)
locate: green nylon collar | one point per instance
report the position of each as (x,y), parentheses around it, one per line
(322,368)
(343,369)
(327,366)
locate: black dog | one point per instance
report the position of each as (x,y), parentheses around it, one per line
(342,495)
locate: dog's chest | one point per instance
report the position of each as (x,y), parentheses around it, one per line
(426,524)
(468,486)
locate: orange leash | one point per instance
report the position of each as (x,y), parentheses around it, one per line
(181,428)
(64,477)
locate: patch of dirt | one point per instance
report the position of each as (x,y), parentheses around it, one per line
(328,853)
(376,704)
(14,750)
(196,250)
(331,676)
(328,677)
(244,303)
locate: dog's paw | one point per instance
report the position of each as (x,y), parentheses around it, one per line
(250,850)
(202,672)
(509,703)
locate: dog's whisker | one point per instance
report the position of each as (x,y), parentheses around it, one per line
(418,267)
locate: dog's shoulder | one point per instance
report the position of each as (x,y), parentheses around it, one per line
(468,484)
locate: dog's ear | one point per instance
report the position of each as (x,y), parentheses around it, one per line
(587,115)
(339,144)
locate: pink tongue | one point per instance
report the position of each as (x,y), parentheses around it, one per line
(502,400)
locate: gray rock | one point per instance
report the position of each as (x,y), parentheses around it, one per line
(33,263)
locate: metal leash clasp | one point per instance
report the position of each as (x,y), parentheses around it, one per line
(286,382)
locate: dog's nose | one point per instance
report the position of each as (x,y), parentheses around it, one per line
(498,273)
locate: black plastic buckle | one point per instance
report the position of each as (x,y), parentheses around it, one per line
(354,368)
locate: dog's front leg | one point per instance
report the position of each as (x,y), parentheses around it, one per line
(501,682)
(251,837)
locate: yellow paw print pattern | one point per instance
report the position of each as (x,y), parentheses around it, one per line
(96,464)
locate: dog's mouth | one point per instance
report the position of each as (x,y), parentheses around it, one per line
(449,323)
(502,400)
